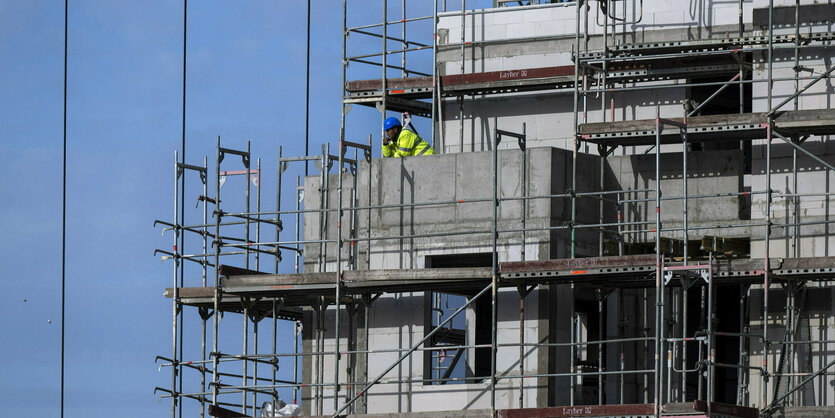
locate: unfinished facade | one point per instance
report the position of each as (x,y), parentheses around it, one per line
(628,215)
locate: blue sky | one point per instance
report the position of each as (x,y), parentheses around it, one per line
(246,81)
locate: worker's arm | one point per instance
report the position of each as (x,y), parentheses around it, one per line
(389,148)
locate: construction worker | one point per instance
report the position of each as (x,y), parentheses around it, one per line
(399,142)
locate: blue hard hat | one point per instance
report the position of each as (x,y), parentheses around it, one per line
(391,123)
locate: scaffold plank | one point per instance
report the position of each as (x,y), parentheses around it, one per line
(394,85)
(616,271)
(368,92)
(626,410)
(203,297)
(359,281)
(701,45)
(727,410)
(576,265)
(738,126)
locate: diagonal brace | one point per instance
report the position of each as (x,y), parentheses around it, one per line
(716,93)
(800,385)
(412,349)
(799,148)
(799,92)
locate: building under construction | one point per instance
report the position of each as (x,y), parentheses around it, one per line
(628,215)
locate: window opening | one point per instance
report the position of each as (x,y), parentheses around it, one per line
(456,365)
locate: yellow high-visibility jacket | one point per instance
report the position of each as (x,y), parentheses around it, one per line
(408,144)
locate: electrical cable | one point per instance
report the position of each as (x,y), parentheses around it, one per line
(64,211)
(307,95)
(183,189)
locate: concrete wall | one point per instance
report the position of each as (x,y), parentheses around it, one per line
(709,173)
(448,179)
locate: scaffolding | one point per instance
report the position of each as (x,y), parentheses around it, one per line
(643,255)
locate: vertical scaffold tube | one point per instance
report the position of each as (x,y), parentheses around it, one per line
(601,183)
(384,67)
(279,171)
(710,348)
(576,128)
(744,328)
(320,348)
(658,272)
(741,71)
(463,38)
(344,78)
(621,360)
(354,228)
(323,309)
(620,227)
(368,214)
(685,233)
(205,274)
(278,211)
(246,266)
(767,267)
(604,61)
(257,182)
(463,71)
(175,366)
(684,182)
(324,201)
(600,346)
(257,268)
(645,328)
(795,200)
(493,316)
(246,206)
(244,376)
(320,357)
(296,332)
(436,80)
(337,302)
(572,350)
(523,292)
(215,315)
(275,359)
(255,364)
(524,189)
(298,197)
(684,297)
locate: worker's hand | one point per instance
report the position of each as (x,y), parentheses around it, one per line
(385,140)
